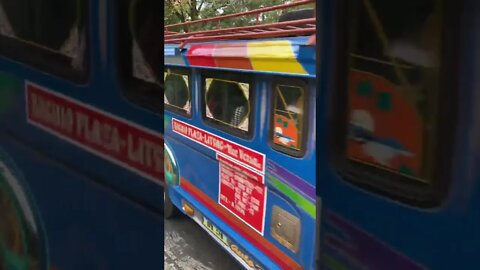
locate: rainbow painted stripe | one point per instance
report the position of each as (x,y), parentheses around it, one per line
(285,56)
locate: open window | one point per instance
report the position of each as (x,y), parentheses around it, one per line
(288,132)
(177,96)
(140,52)
(397,134)
(50,35)
(228,103)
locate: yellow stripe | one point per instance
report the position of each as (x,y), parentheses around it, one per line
(274,56)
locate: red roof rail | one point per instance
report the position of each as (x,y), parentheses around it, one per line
(304,27)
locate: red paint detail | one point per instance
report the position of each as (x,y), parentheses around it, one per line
(280,258)
(137,149)
(201,55)
(242,192)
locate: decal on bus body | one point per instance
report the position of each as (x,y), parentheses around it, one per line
(244,156)
(115,139)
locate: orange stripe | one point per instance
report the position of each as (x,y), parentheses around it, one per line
(232,55)
(282,259)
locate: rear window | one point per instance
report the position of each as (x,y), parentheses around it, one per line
(394,87)
(47,34)
(289,115)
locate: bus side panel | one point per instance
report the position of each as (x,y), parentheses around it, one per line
(82,225)
(198,165)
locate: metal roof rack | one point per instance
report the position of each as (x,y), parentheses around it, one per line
(301,27)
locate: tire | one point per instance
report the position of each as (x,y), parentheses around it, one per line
(169,209)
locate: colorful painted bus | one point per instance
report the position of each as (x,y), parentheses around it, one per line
(240,135)
(81,144)
(398,172)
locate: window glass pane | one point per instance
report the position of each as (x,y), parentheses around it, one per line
(228,103)
(53,25)
(393,84)
(177,91)
(140,53)
(145,26)
(288,116)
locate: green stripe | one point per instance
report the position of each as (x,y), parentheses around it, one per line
(300,200)
(166,121)
(333,264)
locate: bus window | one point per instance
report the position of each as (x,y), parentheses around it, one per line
(177,95)
(141,58)
(288,118)
(49,34)
(393,89)
(228,103)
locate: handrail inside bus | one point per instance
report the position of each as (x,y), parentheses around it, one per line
(300,27)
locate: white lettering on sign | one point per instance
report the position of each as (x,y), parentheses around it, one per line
(247,157)
(117,140)
(242,193)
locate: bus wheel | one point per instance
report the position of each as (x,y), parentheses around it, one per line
(169,209)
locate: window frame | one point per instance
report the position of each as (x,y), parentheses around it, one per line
(35,56)
(371,179)
(239,77)
(129,84)
(176,110)
(302,83)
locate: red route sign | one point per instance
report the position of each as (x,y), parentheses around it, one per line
(241,191)
(124,143)
(246,156)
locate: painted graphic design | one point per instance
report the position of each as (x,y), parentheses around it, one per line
(297,189)
(348,247)
(20,244)
(241,175)
(117,140)
(385,129)
(171,169)
(286,132)
(284,56)
(236,251)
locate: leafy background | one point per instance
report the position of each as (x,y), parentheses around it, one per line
(176,11)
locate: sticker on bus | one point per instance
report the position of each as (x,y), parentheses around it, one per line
(117,140)
(241,192)
(246,156)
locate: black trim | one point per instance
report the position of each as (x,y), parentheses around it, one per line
(49,61)
(241,78)
(306,109)
(400,187)
(176,110)
(143,94)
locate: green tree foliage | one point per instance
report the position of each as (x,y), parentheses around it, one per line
(177,11)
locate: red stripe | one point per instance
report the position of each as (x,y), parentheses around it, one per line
(274,253)
(232,55)
(201,55)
